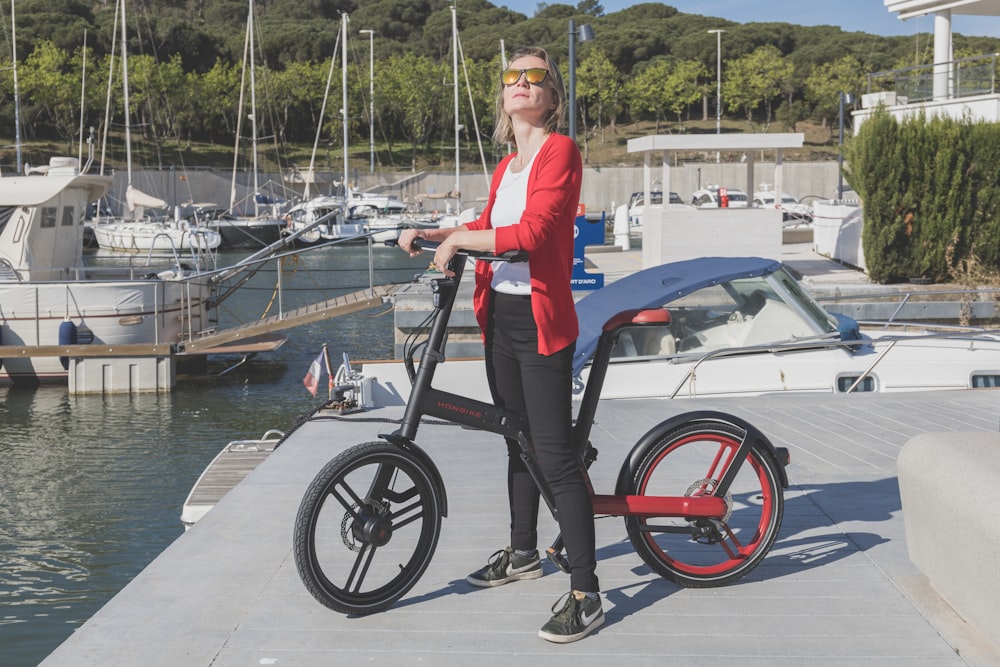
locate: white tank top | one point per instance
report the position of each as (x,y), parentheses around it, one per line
(512,197)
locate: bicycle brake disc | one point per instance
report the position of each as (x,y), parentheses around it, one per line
(346,524)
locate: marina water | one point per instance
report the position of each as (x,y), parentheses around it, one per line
(92,487)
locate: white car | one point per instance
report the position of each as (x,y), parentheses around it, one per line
(709,197)
(791,209)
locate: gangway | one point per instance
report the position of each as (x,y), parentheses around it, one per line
(217,341)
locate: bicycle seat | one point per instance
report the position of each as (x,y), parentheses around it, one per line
(638,317)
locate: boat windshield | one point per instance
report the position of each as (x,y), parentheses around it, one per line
(745,312)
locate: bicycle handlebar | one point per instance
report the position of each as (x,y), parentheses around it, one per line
(509,256)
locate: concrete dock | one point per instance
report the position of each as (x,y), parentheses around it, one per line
(837,589)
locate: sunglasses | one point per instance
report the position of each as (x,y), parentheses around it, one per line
(535,76)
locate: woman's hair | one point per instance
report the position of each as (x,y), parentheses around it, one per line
(504,131)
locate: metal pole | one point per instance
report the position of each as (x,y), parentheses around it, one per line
(371,98)
(718,86)
(572,79)
(840,153)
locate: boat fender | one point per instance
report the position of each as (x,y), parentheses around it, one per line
(67,336)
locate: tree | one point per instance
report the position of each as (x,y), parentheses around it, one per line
(599,87)
(827,81)
(754,80)
(51,78)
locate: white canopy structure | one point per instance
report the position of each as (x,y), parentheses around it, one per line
(942,11)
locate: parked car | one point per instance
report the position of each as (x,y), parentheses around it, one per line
(710,196)
(791,209)
(636,204)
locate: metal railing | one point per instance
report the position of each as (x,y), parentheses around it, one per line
(965,77)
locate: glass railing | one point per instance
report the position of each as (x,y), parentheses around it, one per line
(965,77)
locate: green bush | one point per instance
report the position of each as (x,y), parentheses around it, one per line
(931,194)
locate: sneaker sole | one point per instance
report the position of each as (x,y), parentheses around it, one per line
(519,576)
(566,639)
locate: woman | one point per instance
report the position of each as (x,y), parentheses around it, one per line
(530,328)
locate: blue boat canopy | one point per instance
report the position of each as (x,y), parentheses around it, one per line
(655,287)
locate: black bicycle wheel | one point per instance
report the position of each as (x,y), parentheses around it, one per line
(689,461)
(367,528)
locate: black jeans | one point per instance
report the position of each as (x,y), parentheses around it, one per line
(540,387)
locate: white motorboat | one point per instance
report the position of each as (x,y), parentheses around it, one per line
(49,297)
(737,327)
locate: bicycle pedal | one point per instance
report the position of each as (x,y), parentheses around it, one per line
(558,559)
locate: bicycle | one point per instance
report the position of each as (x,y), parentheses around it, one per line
(701,493)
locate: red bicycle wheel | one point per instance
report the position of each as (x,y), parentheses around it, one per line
(690,461)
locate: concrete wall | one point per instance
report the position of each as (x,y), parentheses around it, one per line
(603,187)
(948,492)
(676,233)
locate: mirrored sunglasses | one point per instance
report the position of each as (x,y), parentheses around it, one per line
(535,76)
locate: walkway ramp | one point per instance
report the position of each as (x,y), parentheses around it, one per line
(341,305)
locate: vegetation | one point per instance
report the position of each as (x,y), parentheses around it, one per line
(649,64)
(932,200)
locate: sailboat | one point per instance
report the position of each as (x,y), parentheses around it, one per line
(139,231)
(264,226)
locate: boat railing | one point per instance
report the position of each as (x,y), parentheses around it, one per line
(898,300)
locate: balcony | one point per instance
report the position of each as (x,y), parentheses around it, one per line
(956,88)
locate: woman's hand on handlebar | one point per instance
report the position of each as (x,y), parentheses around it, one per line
(406,239)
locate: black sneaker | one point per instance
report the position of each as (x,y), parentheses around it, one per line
(506,566)
(577,619)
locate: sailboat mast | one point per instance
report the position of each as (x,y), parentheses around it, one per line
(253,110)
(128,123)
(17,99)
(343,110)
(458,126)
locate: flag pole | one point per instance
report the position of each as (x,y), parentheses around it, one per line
(329,373)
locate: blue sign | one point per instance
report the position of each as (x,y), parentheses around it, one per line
(586,233)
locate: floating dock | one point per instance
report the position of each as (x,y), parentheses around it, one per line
(837,589)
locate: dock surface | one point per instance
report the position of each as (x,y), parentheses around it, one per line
(836,589)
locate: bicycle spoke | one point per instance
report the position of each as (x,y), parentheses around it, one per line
(360,569)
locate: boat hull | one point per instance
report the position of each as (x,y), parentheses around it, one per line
(159,237)
(125,312)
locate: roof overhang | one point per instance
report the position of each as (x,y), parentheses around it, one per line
(908,9)
(716,142)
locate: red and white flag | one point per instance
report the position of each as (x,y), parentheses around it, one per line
(316,368)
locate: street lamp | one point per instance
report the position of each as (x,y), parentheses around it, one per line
(718,84)
(584,34)
(371,96)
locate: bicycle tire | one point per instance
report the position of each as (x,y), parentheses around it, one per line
(366,528)
(703,553)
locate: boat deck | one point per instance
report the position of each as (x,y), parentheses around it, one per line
(837,588)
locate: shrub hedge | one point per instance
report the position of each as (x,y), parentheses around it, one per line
(931,193)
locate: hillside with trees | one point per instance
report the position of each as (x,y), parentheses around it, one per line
(647,64)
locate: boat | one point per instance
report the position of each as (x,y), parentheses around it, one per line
(235,232)
(738,326)
(236,460)
(158,231)
(48,296)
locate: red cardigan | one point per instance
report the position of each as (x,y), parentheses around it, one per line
(545,232)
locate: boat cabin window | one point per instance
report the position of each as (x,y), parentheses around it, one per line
(985,380)
(49,215)
(844,383)
(67,216)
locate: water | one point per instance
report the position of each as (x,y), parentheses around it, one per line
(91,487)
